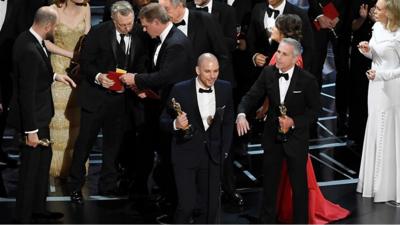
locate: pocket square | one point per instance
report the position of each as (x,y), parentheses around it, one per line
(297,92)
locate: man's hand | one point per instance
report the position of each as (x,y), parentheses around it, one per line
(105,81)
(363,47)
(181,121)
(371,74)
(260,59)
(32,140)
(363,11)
(285,123)
(325,22)
(128,79)
(242,125)
(371,14)
(65,79)
(1,108)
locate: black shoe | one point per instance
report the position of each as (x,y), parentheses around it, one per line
(76,197)
(113,193)
(235,198)
(47,215)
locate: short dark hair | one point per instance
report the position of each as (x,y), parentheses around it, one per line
(290,26)
(154,11)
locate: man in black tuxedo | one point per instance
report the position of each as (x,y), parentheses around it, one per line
(225,15)
(205,104)
(263,19)
(11,24)
(338,32)
(31,110)
(204,33)
(172,62)
(108,46)
(286,85)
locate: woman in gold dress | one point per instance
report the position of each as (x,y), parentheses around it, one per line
(73,22)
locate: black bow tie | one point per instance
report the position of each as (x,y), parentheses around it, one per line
(182,23)
(274,11)
(205,9)
(201,90)
(284,75)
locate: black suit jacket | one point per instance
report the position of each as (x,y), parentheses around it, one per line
(206,36)
(302,103)
(32,104)
(99,55)
(226,18)
(218,136)
(175,63)
(257,36)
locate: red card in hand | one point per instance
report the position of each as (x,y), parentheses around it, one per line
(114,76)
(329,10)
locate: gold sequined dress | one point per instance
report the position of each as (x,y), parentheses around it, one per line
(64,126)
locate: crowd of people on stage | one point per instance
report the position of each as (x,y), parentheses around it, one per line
(185,83)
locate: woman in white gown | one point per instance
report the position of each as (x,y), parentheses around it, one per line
(380,163)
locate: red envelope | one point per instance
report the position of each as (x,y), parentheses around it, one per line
(329,10)
(118,86)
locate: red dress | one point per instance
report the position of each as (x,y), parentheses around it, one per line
(320,210)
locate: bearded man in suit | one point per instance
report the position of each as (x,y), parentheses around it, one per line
(31,110)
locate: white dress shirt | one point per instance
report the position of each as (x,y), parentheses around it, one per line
(284,84)
(127,39)
(206,103)
(230,2)
(184,28)
(39,39)
(163,35)
(269,22)
(3,11)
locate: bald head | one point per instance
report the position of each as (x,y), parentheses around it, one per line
(45,15)
(207,69)
(45,21)
(206,57)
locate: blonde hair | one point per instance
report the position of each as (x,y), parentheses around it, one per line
(393,14)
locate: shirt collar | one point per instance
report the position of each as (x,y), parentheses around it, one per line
(280,7)
(200,85)
(289,72)
(209,5)
(36,35)
(165,32)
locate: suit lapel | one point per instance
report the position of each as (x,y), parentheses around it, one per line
(39,47)
(113,42)
(292,84)
(132,50)
(10,8)
(193,95)
(191,24)
(275,87)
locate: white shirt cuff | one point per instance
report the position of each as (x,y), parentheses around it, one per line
(32,131)
(96,79)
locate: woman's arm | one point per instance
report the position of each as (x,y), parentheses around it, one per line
(87,19)
(57,50)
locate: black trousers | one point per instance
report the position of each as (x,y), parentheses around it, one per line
(110,118)
(340,47)
(272,168)
(198,188)
(33,179)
